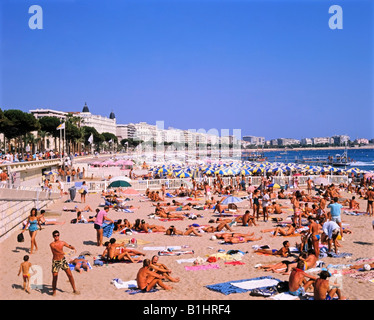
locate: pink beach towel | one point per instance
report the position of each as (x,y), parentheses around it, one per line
(202,267)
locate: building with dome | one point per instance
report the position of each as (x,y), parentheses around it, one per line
(100,123)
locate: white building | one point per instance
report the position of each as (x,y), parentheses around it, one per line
(40,113)
(100,123)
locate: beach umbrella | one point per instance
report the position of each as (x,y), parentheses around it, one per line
(257,170)
(163,171)
(230,172)
(274,185)
(183,174)
(231,199)
(245,172)
(353,170)
(119,183)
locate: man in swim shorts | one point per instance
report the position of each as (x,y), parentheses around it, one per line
(59,261)
(297,282)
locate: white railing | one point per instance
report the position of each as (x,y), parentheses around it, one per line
(156,184)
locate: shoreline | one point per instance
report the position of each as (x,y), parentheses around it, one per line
(310,149)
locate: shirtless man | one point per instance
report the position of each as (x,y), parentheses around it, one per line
(314,231)
(160,268)
(353,204)
(370,199)
(297,282)
(147,279)
(322,289)
(59,261)
(113,253)
(275,208)
(283,252)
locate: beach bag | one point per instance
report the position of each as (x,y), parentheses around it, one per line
(20,237)
(282,286)
(266,292)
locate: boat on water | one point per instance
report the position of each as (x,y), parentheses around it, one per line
(339,160)
(253,156)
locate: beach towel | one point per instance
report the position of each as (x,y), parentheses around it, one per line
(162,248)
(202,267)
(174,252)
(119,284)
(108,229)
(245,285)
(169,195)
(284,296)
(135,291)
(191,260)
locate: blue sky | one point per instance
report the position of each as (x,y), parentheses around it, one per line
(270,68)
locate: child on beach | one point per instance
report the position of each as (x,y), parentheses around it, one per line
(25,269)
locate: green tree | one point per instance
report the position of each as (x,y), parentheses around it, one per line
(21,123)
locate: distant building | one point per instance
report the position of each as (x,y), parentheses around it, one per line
(40,113)
(340,140)
(323,140)
(361,141)
(257,141)
(100,123)
(287,141)
(306,142)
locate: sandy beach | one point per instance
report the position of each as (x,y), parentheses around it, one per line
(97,283)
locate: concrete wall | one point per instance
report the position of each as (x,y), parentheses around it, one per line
(15,207)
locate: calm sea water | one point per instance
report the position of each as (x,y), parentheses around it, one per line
(363,158)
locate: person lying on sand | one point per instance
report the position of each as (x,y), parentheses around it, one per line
(283,252)
(190,230)
(286,231)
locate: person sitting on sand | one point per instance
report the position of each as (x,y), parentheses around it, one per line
(275,208)
(147,279)
(297,281)
(353,204)
(283,252)
(323,290)
(161,269)
(113,252)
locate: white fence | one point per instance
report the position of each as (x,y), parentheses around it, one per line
(142,185)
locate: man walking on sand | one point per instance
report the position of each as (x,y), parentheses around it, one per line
(59,261)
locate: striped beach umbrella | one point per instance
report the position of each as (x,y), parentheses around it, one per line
(183,174)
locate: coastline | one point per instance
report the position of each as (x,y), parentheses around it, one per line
(309,148)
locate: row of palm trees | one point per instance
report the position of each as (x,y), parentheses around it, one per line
(22,130)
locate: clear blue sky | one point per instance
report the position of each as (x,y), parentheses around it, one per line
(269,68)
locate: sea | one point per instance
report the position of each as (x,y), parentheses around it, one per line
(360,158)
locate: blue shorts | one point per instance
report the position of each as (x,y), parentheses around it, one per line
(298,292)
